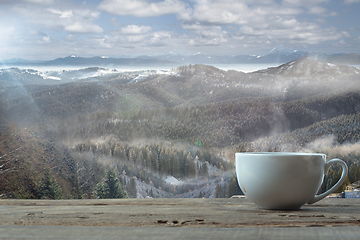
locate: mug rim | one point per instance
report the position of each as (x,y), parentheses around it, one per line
(281,153)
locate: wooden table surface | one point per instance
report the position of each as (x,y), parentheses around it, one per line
(176,219)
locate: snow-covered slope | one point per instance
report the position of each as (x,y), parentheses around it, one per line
(311,68)
(281,55)
(19,76)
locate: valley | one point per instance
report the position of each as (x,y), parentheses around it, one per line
(169,133)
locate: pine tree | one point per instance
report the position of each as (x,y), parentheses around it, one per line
(164,159)
(190,168)
(232,187)
(132,155)
(203,171)
(110,188)
(49,188)
(218,191)
(131,188)
(117,151)
(139,158)
(354,172)
(343,186)
(154,160)
(174,166)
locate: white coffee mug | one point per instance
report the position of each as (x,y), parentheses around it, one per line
(279,180)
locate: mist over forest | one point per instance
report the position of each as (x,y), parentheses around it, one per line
(169,133)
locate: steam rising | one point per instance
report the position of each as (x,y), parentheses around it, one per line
(326,144)
(329,145)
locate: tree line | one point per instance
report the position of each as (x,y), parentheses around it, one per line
(215,125)
(158,158)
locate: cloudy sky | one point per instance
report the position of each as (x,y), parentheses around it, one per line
(47,29)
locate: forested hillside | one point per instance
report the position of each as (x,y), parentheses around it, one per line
(172,135)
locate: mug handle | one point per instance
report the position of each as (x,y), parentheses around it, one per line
(337,185)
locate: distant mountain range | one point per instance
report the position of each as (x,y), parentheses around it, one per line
(276,55)
(305,68)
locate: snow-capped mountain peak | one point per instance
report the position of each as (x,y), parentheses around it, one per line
(282,50)
(311,68)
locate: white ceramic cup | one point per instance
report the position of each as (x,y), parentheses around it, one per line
(279,180)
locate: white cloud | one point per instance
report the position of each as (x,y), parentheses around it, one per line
(44,2)
(135,38)
(76,20)
(313,6)
(46,39)
(259,23)
(230,25)
(341,43)
(207,35)
(302,33)
(70,38)
(39,2)
(303,2)
(317,10)
(135,30)
(9,30)
(142,8)
(8,36)
(221,13)
(351,1)
(139,37)
(101,43)
(346,34)
(79,27)
(86,14)
(159,38)
(115,22)
(236,12)
(122,7)
(63,14)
